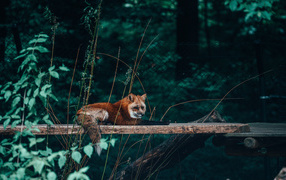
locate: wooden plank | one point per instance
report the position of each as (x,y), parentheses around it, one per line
(44,129)
(263,130)
(173,128)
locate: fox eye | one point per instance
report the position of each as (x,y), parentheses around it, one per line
(142,107)
(136,108)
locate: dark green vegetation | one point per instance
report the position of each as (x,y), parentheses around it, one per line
(194,50)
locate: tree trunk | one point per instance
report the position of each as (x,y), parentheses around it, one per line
(187,36)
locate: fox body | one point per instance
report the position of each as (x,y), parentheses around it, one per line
(127,111)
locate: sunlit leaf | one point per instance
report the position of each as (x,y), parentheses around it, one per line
(7,95)
(39,40)
(112,142)
(32,103)
(38,165)
(54,74)
(76,156)
(88,150)
(52,176)
(103,144)
(16,100)
(15,123)
(62,161)
(36,92)
(63,68)
(6,123)
(84,169)
(52,68)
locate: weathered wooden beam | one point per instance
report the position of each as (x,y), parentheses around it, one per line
(44,129)
(173,128)
(263,130)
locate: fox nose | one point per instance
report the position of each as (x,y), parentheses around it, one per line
(141,114)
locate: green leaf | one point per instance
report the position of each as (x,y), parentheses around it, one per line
(52,68)
(43,93)
(2,150)
(15,116)
(84,169)
(76,156)
(47,152)
(32,103)
(46,86)
(42,35)
(39,40)
(53,97)
(21,173)
(233,5)
(46,117)
(26,100)
(52,176)
(62,161)
(54,74)
(88,150)
(6,123)
(74,148)
(34,141)
(266,15)
(79,175)
(46,120)
(38,165)
(112,142)
(32,57)
(41,49)
(38,81)
(36,92)
(29,92)
(15,123)
(63,68)
(7,95)
(21,56)
(103,144)
(16,100)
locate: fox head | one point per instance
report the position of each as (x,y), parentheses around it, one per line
(136,105)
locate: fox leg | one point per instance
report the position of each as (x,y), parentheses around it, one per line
(89,120)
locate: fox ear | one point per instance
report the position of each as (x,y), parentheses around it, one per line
(131,97)
(144,97)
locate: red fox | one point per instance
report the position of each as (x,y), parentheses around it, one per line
(127,111)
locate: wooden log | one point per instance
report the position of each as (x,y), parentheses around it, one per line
(167,154)
(173,128)
(58,129)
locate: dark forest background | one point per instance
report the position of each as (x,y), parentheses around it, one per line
(202,49)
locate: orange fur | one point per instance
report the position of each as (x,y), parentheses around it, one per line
(127,111)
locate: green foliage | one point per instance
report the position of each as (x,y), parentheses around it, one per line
(19,160)
(79,174)
(261,9)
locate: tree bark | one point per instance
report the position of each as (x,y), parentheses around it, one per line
(187,36)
